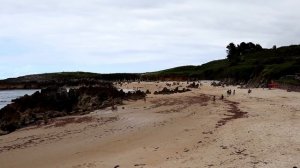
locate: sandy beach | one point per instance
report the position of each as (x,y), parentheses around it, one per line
(184,130)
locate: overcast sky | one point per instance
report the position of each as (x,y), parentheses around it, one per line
(107,36)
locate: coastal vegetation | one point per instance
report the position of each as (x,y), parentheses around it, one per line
(245,63)
(39,81)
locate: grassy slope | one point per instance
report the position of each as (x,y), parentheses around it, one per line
(71,76)
(265,65)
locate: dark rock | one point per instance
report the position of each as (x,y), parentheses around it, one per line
(193,85)
(148,92)
(170,91)
(216,84)
(55,102)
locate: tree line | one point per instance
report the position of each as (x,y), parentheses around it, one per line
(235,52)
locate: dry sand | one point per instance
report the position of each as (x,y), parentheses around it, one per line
(179,130)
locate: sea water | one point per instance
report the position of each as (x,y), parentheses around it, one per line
(6,96)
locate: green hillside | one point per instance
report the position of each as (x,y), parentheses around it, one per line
(39,81)
(245,63)
(281,64)
(59,76)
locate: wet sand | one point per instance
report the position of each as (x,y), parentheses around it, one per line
(261,129)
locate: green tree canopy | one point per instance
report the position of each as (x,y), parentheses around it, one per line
(235,52)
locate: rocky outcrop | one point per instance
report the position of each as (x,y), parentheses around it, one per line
(148,92)
(39,81)
(9,84)
(171,91)
(215,84)
(193,85)
(56,102)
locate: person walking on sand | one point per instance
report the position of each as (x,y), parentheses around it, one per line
(222,97)
(233,92)
(229,92)
(113,106)
(214,98)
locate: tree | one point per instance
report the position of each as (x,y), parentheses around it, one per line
(235,53)
(231,52)
(258,47)
(251,47)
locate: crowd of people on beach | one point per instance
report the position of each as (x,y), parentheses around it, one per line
(229,92)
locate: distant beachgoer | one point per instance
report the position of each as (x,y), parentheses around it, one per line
(233,92)
(228,92)
(249,91)
(145,99)
(214,98)
(222,97)
(113,107)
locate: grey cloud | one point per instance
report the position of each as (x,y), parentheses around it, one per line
(142,31)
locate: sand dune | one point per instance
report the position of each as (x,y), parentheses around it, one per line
(261,129)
